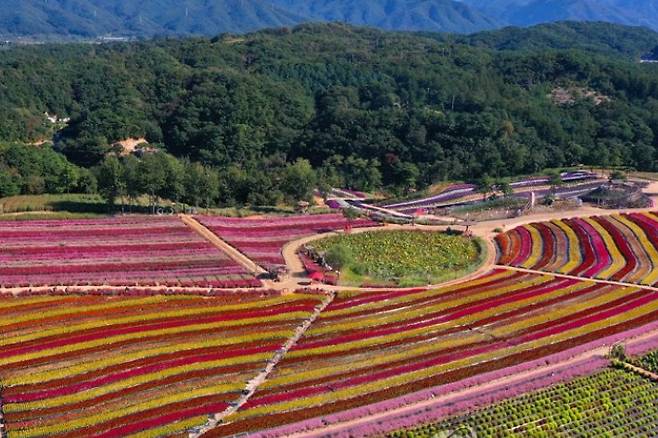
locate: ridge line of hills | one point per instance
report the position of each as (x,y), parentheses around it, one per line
(49,19)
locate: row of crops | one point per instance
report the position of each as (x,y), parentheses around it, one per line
(263,239)
(576,183)
(368,347)
(122,251)
(610,403)
(618,247)
(74,366)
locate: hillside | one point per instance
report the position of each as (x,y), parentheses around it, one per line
(530,12)
(91,18)
(605,38)
(424,15)
(367,108)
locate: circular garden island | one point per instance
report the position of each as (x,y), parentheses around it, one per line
(400,258)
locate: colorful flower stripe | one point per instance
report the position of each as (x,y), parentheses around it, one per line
(92,384)
(285,403)
(262,240)
(530,320)
(642,236)
(429,315)
(136,251)
(460,193)
(620,247)
(574,257)
(474,397)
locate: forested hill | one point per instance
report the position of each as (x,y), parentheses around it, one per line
(599,37)
(366,107)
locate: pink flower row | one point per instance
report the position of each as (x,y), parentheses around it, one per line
(436,413)
(213,291)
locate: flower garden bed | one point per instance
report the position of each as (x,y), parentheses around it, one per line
(618,247)
(577,183)
(373,346)
(122,251)
(608,403)
(263,239)
(157,365)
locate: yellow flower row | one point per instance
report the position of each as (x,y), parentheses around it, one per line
(143,334)
(642,237)
(156,315)
(417,375)
(12,302)
(537,247)
(111,415)
(411,297)
(68,371)
(385,318)
(575,256)
(618,260)
(71,309)
(130,382)
(289,376)
(171,429)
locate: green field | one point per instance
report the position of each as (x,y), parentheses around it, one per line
(399,257)
(610,403)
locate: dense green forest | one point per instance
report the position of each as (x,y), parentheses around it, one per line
(366,108)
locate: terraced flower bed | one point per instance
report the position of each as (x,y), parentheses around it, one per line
(373,346)
(402,257)
(74,366)
(124,251)
(609,403)
(618,247)
(263,239)
(576,184)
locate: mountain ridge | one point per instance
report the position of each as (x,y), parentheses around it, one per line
(149,18)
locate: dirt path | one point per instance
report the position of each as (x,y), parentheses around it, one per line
(232,252)
(575,277)
(253,385)
(642,372)
(297,273)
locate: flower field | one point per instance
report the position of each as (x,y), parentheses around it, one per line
(608,403)
(578,183)
(618,247)
(82,366)
(126,251)
(262,240)
(373,346)
(143,356)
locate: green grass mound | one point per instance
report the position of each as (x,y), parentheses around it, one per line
(404,258)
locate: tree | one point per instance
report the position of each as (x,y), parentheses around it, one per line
(110,180)
(485,185)
(151,177)
(554,180)
(617,175)
(9,183)
(299,180)
(505,187)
